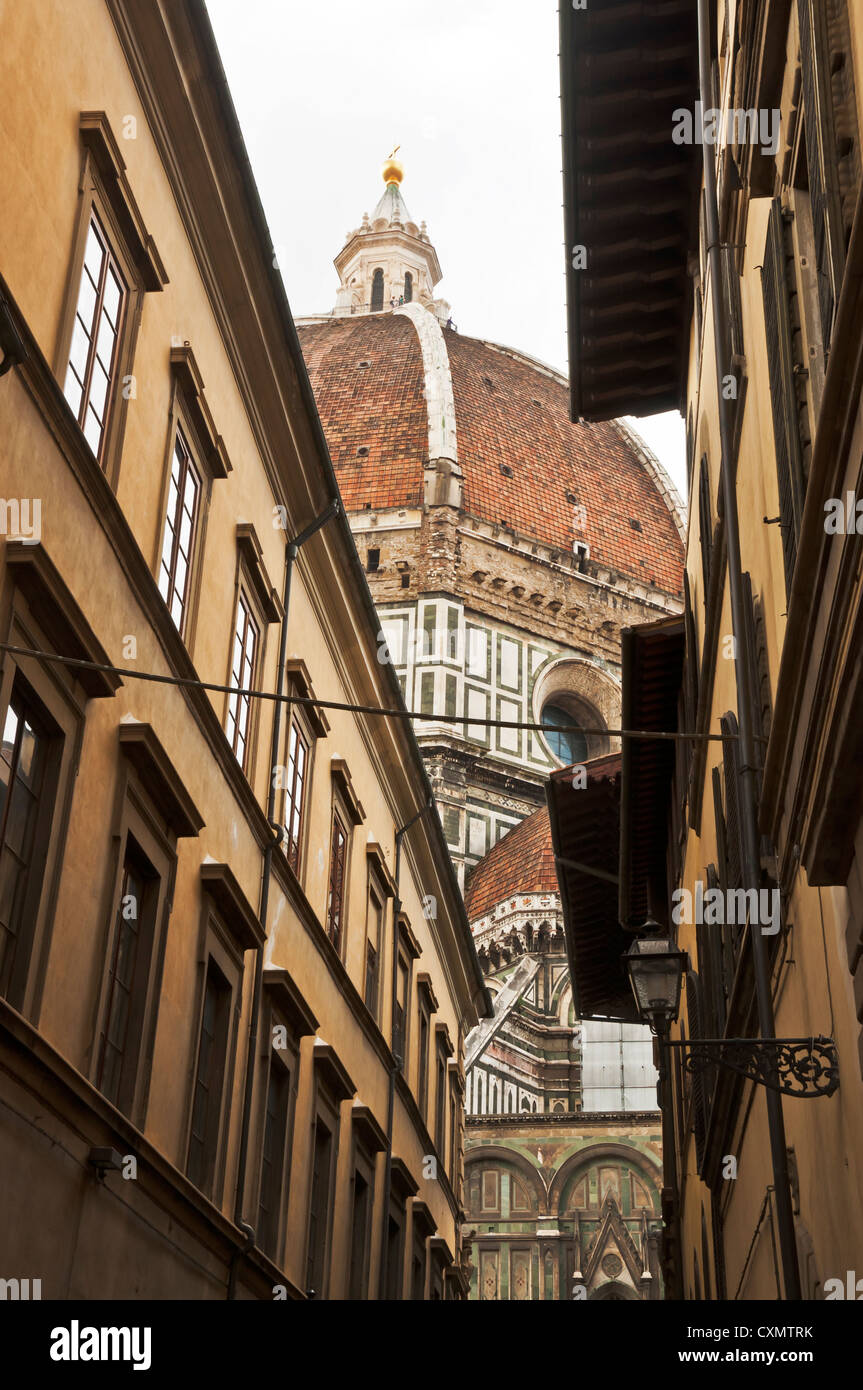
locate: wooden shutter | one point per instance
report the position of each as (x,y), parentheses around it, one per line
(731,768)
(821,158)
(783,397)
(726,958)
(705,522)
(696,1033)
(755,655)
(721,835)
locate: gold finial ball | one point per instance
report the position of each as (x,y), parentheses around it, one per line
(392,171)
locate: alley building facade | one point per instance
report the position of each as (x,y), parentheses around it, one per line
(235,969)
(755,337)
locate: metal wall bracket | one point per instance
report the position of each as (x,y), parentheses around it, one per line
(804,1067)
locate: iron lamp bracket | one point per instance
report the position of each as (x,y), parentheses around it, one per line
(804,1067)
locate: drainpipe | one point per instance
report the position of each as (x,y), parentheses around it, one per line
(398,1059)
(747,786)
(242,1164)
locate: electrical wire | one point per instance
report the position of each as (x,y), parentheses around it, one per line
(191,682)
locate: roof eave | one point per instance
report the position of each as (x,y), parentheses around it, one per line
(629,308)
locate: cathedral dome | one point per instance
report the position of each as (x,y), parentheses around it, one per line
(383,383)
(520,864)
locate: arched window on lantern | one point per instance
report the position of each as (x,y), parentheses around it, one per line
(377,290)
(409,287)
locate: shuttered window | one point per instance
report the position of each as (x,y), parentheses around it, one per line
(705,522)
(731,769)
(821,158)
(696,1033)
(783,400)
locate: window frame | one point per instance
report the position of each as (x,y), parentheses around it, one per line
(104,188)
(179,437)
(338,937)
(295,848)
(216,1120)
(40,613)
(244,603)
(113,261)
(228,928)
(331,1087)
(270,1226)
(140,842)
(284,1007)
(57,737)
(376,898)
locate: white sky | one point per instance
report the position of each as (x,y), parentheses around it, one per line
(470,91)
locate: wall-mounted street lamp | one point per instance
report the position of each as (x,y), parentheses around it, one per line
(803,1067)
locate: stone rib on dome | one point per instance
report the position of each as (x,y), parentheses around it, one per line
(380,407)
(509,414)
(521,863)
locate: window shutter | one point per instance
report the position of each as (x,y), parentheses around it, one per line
(691,677)
(725,960)
(783,397)
(731,768)
(821,158)
(755,643)
(693,1010)
(705,522)
(721,835)
(733,307)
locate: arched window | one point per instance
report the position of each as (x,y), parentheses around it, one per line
(570,744)
(409,287)
(378,290)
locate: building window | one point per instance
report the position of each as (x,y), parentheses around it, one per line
(209,1079)
(440,1104)
(394,1257)
(402,995)
(359,1236)
(128,976)
(453,1132)
(319,1206)
(335,896)
(374,938)
(295,791)
(377,290)
(243,667)
(409,287)
(423,1063)
(568,743)
(418,1270)
(27,761)
(181,526)
(274,1154)
(92,366)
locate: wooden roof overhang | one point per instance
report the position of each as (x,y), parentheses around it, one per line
(585,835)
(631,200)
(652,673)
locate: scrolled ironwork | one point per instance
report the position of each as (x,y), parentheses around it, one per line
(804,1067)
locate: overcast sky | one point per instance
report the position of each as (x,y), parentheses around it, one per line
(470,91)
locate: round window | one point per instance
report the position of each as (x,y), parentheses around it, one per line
(567,742)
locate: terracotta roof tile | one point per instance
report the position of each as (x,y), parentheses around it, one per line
(508,412)
(380,407)
(522,862)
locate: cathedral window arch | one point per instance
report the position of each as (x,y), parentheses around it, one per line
(409,287)
(377,289)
